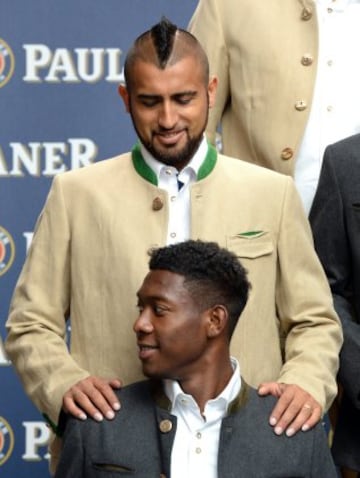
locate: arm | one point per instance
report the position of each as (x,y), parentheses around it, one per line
(328,218)
(39,311)
(207,25)
(309,323)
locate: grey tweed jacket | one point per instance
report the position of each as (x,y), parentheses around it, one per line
(138,442)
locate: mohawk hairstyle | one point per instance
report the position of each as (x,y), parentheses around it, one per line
(163,36)
(164,45)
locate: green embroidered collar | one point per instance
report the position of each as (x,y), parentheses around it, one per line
(147,173)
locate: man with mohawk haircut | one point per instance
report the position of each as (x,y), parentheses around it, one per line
(89,254)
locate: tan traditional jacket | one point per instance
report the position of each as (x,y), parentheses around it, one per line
(89,257)
(264,54)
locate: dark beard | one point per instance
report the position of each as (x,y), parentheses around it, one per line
(179,160)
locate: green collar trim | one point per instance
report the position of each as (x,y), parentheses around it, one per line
(141,167)
(147,173)
(209,163)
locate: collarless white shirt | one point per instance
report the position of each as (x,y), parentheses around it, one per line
(336,103)
(196,444)
(179,200)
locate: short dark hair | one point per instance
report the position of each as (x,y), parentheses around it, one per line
(213,275)
(165,44)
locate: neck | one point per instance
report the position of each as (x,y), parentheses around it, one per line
(209,382)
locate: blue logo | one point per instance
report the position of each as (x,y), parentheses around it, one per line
(6,440)
(7,63)
(7,250)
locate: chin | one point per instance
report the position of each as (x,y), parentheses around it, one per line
(153,373)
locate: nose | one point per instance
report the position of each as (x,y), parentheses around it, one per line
(168,115)
(143,323)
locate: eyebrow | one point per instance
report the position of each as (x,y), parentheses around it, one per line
(175,95)
(152,298)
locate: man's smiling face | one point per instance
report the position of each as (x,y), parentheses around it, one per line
(171,330)
(169,108)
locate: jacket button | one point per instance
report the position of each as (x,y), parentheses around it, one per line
(301,105)
(306,14)
(307,59)
(157,204)
(287,153)
(165,426)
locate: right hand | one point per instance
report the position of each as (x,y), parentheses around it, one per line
(295,409)
(93,396)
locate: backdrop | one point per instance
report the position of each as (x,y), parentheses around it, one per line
(60,64)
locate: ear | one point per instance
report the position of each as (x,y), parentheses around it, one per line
(212,88)
(123,92)
(217,320)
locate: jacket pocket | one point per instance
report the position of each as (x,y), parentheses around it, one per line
(250,245)
(113,468)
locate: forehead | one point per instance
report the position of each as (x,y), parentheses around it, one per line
(163,284)
(184,75)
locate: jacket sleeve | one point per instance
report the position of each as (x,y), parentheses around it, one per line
(206,25)
(312,330)
(328,221)
(36,341)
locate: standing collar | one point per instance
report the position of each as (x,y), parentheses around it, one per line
(202,163)
(174,391)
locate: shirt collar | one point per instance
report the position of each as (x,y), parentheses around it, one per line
(145,171)
(194,164)
(230,392)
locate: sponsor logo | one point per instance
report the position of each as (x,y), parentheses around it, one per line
(37,436)
(7,251)
(47,158)
(6,440)
(89,65)
(7,63)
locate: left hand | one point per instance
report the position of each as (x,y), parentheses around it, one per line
(295,410)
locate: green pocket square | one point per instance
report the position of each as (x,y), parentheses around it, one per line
(250,233)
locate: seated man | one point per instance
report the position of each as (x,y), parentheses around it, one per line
(195,416)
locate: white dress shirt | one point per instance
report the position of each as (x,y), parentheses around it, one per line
(336,103)
(179,200)
(196,444)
